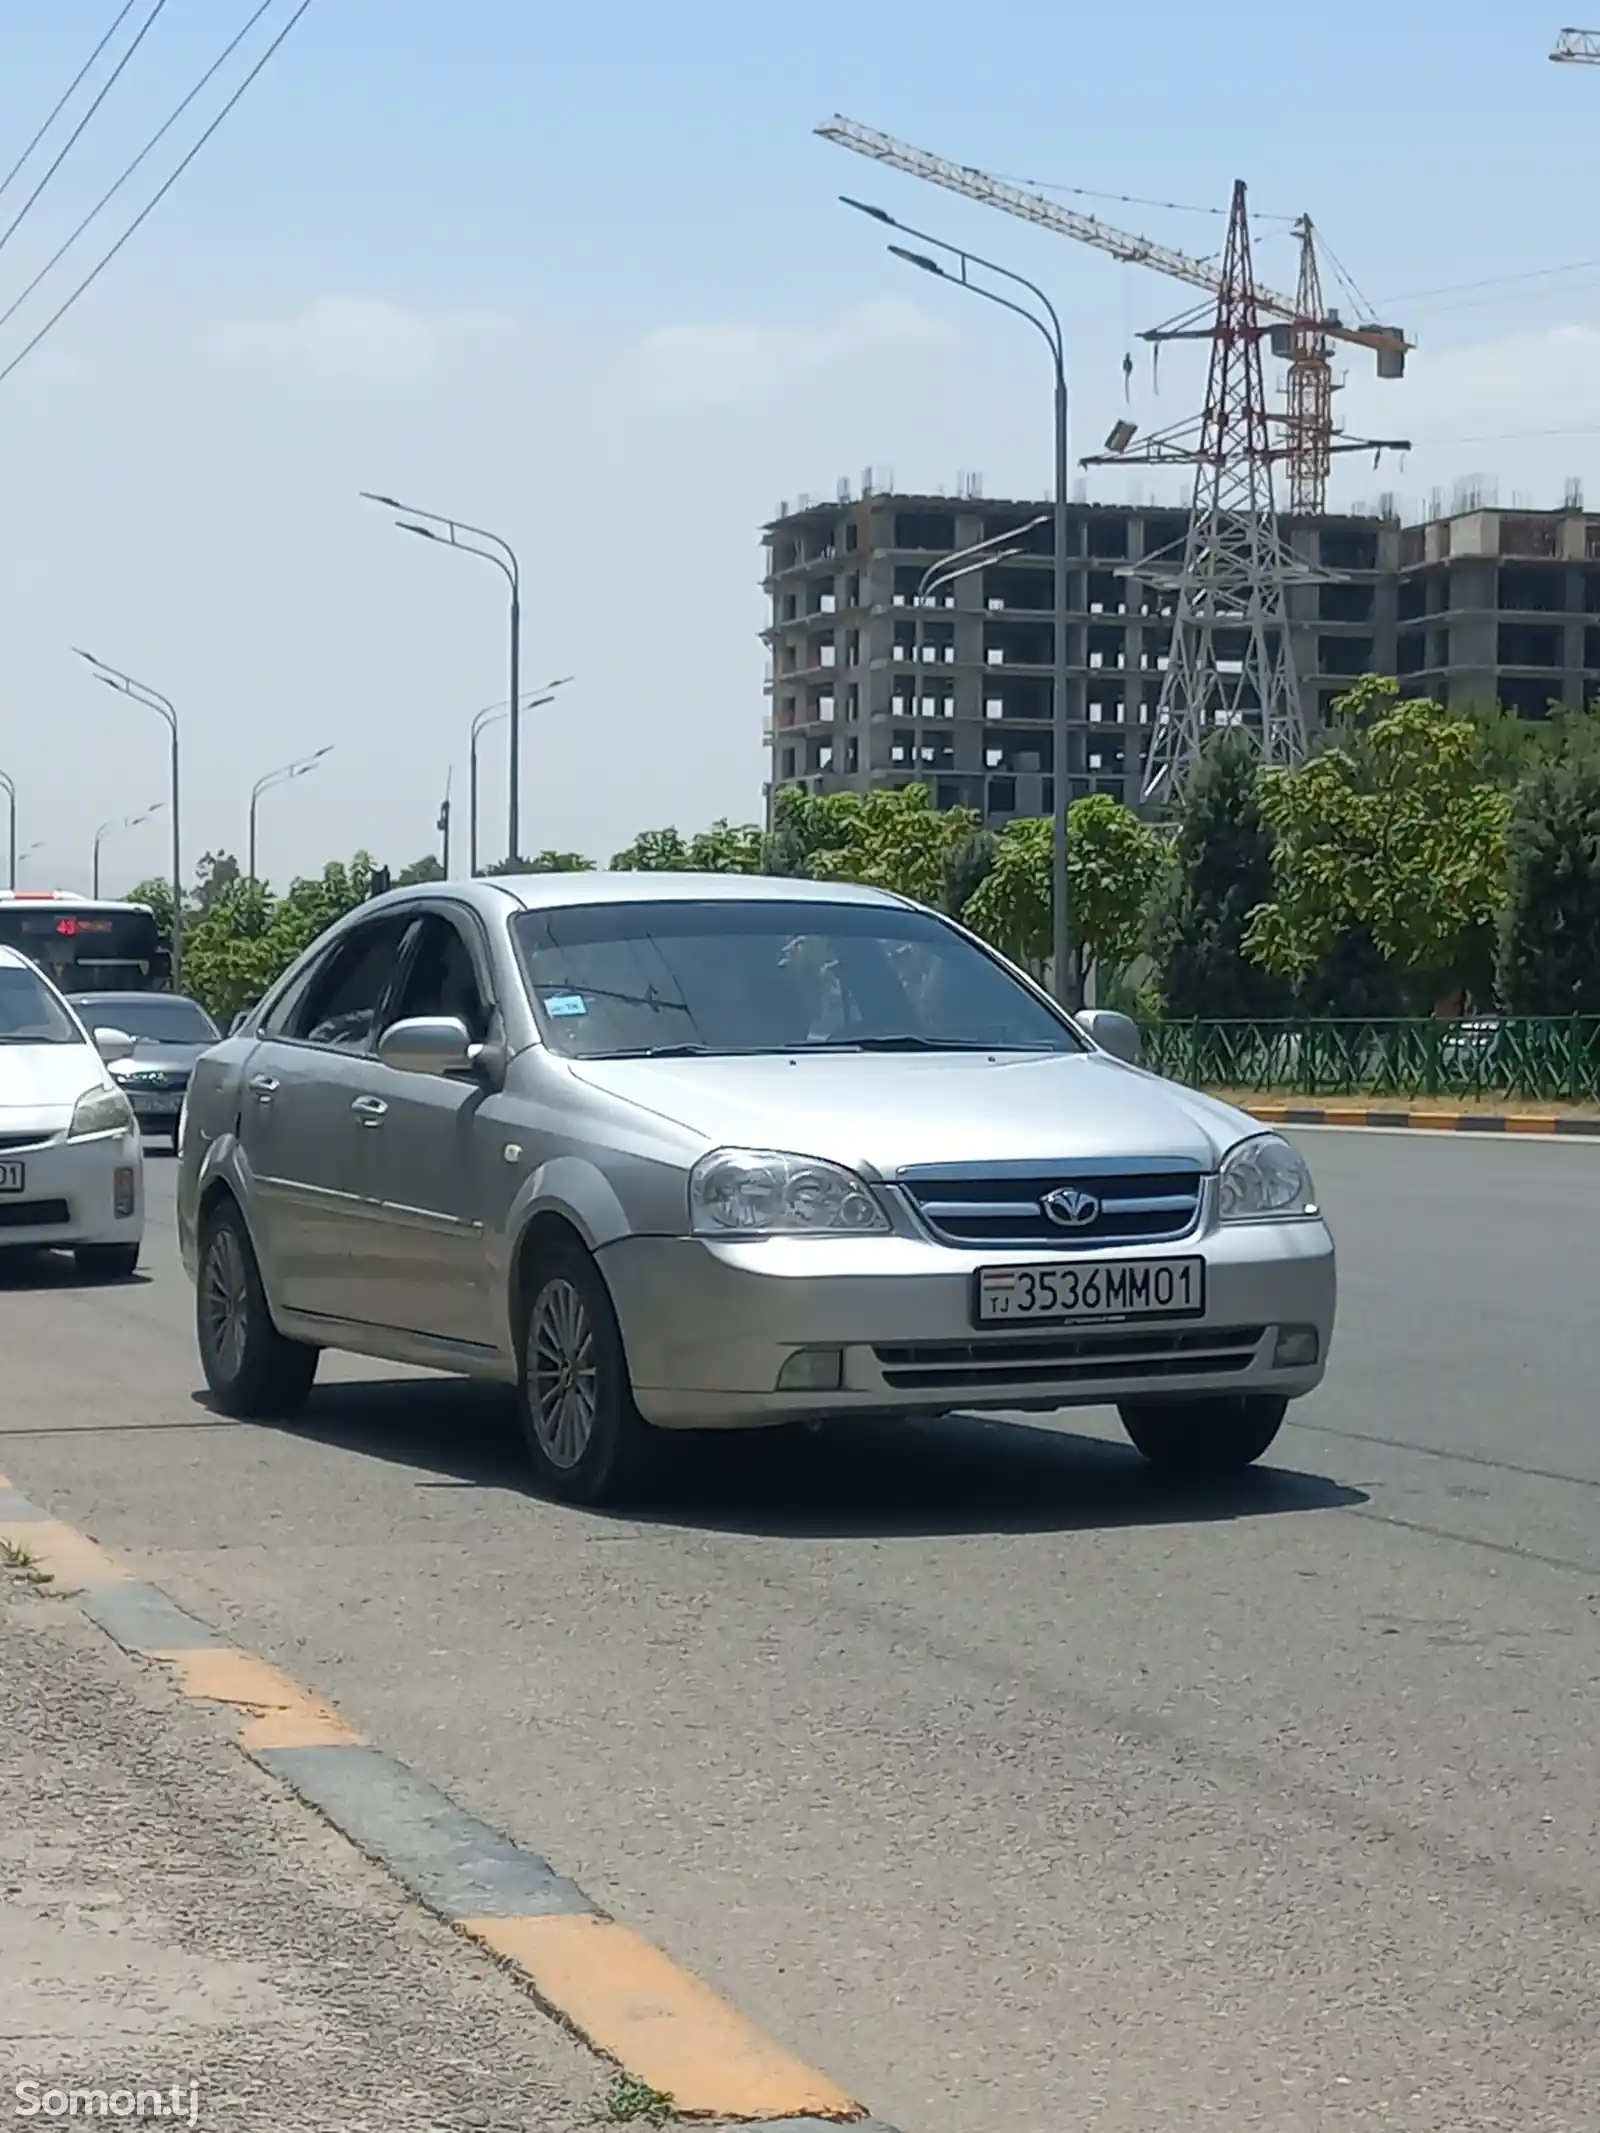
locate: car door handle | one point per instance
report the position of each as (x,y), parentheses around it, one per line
(371,1110)
(263,1087)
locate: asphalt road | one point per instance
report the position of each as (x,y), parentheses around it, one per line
(1012,1788)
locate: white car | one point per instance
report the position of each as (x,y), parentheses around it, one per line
(71,1166)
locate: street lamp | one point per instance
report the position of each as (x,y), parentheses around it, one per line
(8,787)
(1046,322)
(491,715)
(962,563)
(128,822)
(503,556)
(153,700)
(285,776)
(27,853)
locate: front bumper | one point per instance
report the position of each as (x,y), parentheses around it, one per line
(76,1192)
(708,1326)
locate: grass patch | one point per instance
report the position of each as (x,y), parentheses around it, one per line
(628,2102)
(22,1565)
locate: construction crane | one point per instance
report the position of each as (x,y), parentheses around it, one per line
(1308,332)
(1581,47)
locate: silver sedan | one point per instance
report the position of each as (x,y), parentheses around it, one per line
(675,1152)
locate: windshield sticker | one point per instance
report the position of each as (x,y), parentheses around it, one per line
(566,1003)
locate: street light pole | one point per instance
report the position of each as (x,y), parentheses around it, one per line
(128,822)
(950,569)
(283,776)
(8,786)
(1048,326)
(491,715)
(153,700)
(501,553)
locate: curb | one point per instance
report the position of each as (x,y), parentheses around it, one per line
(611,1988)
(1535,1123)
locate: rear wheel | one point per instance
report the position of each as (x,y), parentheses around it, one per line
(107,1262)
(1204,1436)
(253,1371)
(587,1441)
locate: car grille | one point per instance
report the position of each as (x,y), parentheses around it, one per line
(33,1214)
(13,1143)
(156,1078)
(1139,1203)
(1068,1359)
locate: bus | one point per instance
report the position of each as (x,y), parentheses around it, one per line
(84,943)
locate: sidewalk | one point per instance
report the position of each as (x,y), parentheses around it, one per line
(169,1916)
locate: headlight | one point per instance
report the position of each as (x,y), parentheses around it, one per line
(1264,1180)
(100,1111)
(752,1192)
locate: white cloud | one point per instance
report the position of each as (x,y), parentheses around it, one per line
(352,337)
(720,362)
(1519,409)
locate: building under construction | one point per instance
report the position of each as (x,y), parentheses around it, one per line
(872,685)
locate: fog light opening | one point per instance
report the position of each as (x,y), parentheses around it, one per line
(1298,1348)
(813,1370)
(123,1194)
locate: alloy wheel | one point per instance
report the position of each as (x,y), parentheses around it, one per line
(227,1300)
(563,1375)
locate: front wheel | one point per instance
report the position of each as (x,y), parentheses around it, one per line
(254,1372)
(107,1262)
(1204,1436)
(586,1439)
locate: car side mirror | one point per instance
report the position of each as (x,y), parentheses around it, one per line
(1114,1033)
(114,1044)
(428,1044)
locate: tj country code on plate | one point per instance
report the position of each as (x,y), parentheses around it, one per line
(1106,1288)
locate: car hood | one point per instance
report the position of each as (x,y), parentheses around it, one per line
(39,1079)
(149,1052)
(884,1111)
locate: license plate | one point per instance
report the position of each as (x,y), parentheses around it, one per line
(1095,1289)
(13,1177)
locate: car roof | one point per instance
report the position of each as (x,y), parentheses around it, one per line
(14,959)
(537,892)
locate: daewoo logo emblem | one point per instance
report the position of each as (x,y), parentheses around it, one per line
(1070,1208)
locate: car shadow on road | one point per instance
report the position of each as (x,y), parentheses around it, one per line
(24,1267)
(959,1474)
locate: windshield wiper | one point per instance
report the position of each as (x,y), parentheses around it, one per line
(657,1051)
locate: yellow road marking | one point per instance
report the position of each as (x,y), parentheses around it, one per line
(70,1558)
(661,2025)
(282,1714)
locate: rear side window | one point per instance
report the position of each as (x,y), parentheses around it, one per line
(339,1003)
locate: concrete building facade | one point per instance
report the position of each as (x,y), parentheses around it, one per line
(869,687)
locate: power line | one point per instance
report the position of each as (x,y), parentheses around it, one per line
(154,202)
(1493,281)
(126,11)
(73,137)
(112,190)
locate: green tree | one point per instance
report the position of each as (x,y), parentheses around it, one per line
(1221,871)
(428,868)
(896,839)
(1549,946)
(1396,833)
(804,825)
(967,866)
(726,848)
(230,955)
(544,863)
(1114,861)
(657,851)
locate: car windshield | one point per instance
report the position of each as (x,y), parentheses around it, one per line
(153,1017)
(631,980)
(30,1013)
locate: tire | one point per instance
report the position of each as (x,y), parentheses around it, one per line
(1204,1437)
(254,1372)
(107,1262)
(586,1439)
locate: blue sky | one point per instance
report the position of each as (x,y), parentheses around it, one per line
(579,274)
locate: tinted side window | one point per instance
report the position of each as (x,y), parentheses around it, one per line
(442,979)
(339,1006)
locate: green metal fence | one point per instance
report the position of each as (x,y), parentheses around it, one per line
(1538,1058)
